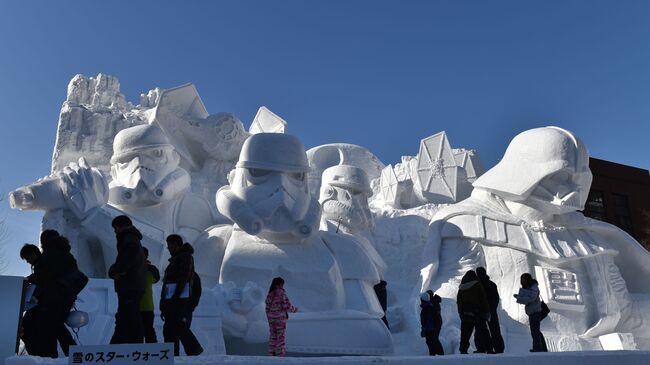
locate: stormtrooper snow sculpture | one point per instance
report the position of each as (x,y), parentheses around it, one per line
(523,216)
(147,184)
(344,196)
(328,276)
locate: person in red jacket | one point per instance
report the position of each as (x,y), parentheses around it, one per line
(277,312)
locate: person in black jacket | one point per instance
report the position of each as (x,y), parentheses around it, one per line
(55,298)
(37,335)
(128,274)
(474,311)
(56,249)
(431,322)
(175,299)
(493,299)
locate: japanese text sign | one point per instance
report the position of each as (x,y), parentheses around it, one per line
(123,354)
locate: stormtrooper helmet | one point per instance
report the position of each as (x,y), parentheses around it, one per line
(145,167)
(268,194)
(547,167)
(344,197)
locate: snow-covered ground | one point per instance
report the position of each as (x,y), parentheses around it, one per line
(564,358)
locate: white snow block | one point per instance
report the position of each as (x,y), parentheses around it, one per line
(347,332)
(617,341)
(11,288)
(267,122)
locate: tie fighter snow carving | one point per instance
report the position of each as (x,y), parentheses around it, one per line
(437,171)
(389,185)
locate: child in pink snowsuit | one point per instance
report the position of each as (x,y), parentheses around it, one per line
(277,309)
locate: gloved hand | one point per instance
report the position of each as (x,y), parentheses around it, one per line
(84,187)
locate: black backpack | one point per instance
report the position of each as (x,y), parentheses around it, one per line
(195,290)
(75,281)
(545,310)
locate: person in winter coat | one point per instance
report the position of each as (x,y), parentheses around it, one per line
(128,274)
(45,324)
(29,333)
(56,250)
(529,295)
(146,304)
(277,313)
(38,328)
(496,340)
(175,300)
(431,322)
(474,311)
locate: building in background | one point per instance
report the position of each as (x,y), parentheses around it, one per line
(620,195)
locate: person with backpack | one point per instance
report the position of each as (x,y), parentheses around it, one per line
(38,338)
(492,293)
(54,274)
(474,311)
(146,304)
(175,299)
(69,280)
(529,295)
(278,308)
(195,297)
(431,322)
(128,274)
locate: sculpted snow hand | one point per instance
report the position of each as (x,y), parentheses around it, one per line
(79,188)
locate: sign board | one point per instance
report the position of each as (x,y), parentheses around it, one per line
(11,288)
(123,354)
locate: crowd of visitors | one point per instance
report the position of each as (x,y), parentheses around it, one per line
(57,281)
(477,302)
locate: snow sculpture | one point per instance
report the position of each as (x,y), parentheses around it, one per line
(438,174)
(523,217)
(396,190)
(200,150)
(469,163)
(266,121)
(92,114)
(344,197)
(328,276)
(344,200)
(437,170)
(208,144)
(147,184)
(328,155)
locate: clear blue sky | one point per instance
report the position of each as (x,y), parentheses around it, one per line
(379,74)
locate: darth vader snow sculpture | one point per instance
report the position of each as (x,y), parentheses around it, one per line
(524,216)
